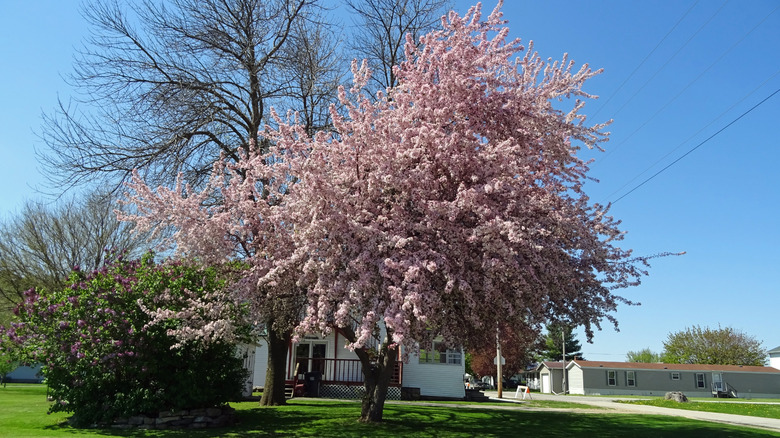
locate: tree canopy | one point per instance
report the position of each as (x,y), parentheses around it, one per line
(721,346)
(449,205)
(454,202)
(644,355)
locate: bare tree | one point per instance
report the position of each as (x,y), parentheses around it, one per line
(166,87)
(315,69)
(42,244)
(383,25)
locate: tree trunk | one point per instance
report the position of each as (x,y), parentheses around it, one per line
(273,392)
(377,379)
(377,371)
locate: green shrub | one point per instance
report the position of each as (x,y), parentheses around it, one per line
(135,337)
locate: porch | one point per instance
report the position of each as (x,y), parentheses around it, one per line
(334,371)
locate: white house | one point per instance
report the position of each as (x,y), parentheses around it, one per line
(436,372)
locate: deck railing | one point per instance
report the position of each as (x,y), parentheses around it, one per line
(344,371)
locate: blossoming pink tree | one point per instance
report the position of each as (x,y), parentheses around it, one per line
(238,215)
(452,202)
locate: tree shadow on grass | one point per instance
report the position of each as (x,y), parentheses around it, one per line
(340,419)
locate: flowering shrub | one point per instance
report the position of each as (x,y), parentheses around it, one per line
(113,345)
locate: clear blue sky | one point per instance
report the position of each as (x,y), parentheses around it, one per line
(719,204)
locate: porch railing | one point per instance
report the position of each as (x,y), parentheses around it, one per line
(344,371)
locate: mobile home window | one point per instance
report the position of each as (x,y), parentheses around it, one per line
(612,378)
(675,376)
(700,380)
(630,378)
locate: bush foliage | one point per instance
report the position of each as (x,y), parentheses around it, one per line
(108,353)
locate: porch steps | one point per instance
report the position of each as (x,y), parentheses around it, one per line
(476,395)
(289,391)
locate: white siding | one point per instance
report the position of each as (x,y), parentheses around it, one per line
(435,379)
(774,360)
(261,363)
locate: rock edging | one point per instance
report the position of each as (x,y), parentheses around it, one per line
(203,418)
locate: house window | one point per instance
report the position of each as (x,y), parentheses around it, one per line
(440,354)
(675,376)
(700,380)
(630,378)
(612,378)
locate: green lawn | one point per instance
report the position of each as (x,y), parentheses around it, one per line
(23,407)
(723,407)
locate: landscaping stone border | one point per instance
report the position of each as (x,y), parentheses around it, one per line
(185,419)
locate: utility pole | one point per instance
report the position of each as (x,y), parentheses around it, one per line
(499,377)
(563,347)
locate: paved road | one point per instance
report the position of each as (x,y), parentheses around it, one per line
(609,403)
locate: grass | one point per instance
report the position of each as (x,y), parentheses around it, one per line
(721,407)
(23,407)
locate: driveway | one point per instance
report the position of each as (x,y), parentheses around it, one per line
(610,403)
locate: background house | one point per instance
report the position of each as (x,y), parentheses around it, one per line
(633,378)
(25,374)
(774,358)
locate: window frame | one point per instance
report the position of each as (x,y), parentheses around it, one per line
(438,354)
(701,381)
(611,378)
(631,378)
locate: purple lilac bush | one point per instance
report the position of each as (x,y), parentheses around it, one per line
(111,345)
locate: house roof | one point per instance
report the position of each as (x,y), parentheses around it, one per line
(672,366)
(774,350)
(550,365)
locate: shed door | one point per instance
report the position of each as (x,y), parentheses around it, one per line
(546,383)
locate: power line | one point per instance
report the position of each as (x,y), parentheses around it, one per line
(695,134)
(671,58)
(698,145)
(680,93)
(620,87)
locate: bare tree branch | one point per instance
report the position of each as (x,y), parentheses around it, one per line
(166,87)
(383,27)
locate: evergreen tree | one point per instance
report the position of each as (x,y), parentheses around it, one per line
(558,335)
